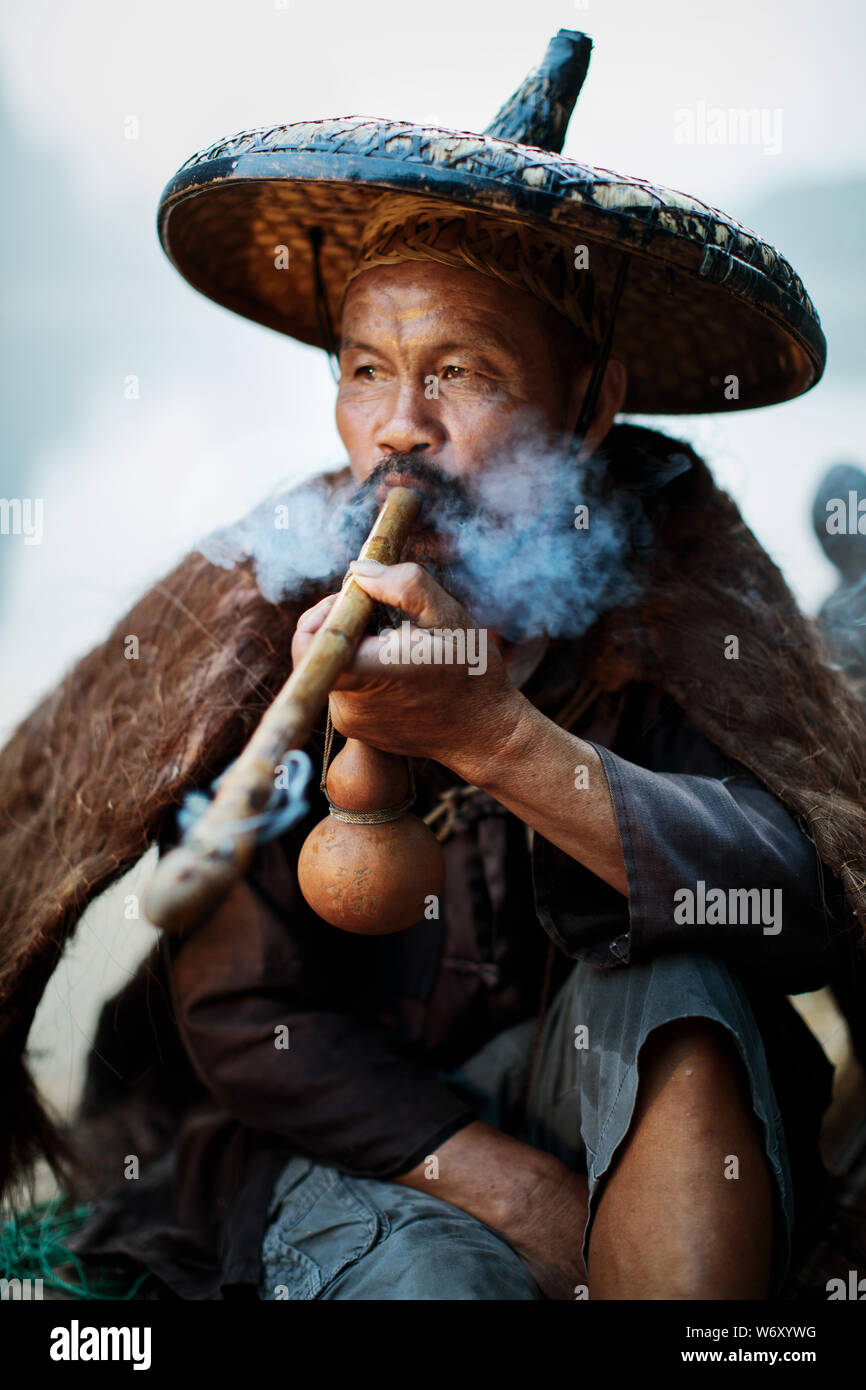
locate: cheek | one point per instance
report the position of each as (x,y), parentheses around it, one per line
(472,422)
(488,428)
(350,424)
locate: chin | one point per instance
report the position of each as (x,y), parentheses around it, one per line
(426,545)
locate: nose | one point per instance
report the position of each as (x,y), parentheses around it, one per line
(411,424)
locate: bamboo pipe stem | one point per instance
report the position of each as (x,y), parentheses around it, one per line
(192,880)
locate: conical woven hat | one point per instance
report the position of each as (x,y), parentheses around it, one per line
(703,299)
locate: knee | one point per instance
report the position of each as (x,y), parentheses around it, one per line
(695,1059)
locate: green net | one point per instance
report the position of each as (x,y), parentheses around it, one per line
(32,1246)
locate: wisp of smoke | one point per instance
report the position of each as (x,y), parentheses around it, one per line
(532,543)
(293,537)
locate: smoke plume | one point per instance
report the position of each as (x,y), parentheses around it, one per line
(535,542)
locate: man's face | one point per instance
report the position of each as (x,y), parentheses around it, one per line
(443,362)
(444,369)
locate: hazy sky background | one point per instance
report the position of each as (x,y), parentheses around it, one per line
(228,409)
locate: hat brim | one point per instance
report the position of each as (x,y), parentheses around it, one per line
(711,318)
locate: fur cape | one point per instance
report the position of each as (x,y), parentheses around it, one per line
(88,780)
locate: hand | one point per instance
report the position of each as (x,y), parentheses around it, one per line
(478,725)
(531,1199)
(547,1233)
(446,705)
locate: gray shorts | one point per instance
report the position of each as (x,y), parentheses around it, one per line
(334,1236)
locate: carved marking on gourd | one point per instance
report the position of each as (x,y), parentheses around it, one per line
(353,892)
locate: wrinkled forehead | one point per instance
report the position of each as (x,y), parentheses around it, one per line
(442,303)
(495,255)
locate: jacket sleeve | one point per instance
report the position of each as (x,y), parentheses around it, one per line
(715,863)
(272,1034)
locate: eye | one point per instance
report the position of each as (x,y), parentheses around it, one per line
(367,372)
(458,372)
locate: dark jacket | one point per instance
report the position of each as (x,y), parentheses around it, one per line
(372,1019)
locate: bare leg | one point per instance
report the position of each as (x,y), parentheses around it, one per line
(670,1224)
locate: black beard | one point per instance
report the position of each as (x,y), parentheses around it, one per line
(447,505)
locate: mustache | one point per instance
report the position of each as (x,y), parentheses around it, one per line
(528,542)
(438,488)
(447,502)
(448,507)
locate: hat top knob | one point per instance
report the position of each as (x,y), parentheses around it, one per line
(539,111)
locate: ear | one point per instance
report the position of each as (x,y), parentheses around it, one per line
(610,402)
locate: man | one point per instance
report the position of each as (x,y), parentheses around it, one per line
(457,1111)
(692,1105)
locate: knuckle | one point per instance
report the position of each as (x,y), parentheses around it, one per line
(414,580)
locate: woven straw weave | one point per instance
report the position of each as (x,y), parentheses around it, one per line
(705,298)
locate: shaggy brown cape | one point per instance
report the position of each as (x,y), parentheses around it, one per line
(89,778)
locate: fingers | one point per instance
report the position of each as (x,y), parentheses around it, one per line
(410,588)
(366,661)
(311,620)
(308,625)
(366,664)
(407,587)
